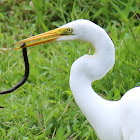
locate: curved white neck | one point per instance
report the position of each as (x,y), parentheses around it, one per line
(93,106)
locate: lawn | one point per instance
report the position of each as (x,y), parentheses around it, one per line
(44,107)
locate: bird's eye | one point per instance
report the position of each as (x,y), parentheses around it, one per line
(70,30)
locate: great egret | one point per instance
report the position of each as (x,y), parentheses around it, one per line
(112,120)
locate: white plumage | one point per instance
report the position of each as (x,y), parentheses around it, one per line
(112,120)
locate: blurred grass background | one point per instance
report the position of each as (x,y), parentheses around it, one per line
(44,107)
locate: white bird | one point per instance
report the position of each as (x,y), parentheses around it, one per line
(112,120)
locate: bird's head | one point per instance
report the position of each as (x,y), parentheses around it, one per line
(71,31)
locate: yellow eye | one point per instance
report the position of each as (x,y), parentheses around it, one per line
(67,31)
(70,30)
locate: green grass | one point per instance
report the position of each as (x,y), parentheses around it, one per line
(44,108)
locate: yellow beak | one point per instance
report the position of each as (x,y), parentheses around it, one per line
(47,37)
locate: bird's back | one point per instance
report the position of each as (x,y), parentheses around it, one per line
(130,114)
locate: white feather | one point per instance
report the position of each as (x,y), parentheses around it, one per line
(112,120)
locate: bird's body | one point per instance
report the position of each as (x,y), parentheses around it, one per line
(130,114)
(112,120)
(106,117)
